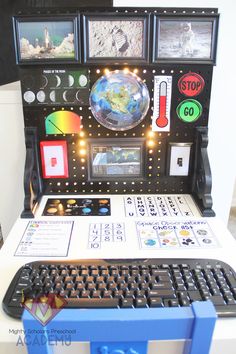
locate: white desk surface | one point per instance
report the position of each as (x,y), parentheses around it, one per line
(224,339)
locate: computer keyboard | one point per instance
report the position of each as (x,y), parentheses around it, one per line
(139,283)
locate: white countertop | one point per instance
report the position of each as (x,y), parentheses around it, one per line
(224,339)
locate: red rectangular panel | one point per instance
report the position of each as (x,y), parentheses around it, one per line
(54,159)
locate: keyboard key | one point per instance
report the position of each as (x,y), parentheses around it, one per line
(155,302)
(102,286)
(96,294)
(15,301)
(91,286)
(79,279)
(171,303)
(205,293)
(93,303)
(80,286)
(118,294)
(89,279)
(24,285)
(107,294)
(217,292)
(133,286)
(59,287)
(184,266)
(129,293)
(120,280)
(74,293)
(165,285)
(180,286)
(162,293)
(230,300)
(127,303)
(122,286)
(139,303)
(140,294)
(85,294)
(100,279)
(64,293)
(231,280)
(190,286)
(69,286)
(144,286)
(159,272)
(194,295)
(184,302)
(68,279)
(110,280)
(165,266)
(112,286)
(217,300)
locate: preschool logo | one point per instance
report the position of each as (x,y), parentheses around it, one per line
(44,308)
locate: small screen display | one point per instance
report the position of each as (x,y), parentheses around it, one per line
(120,160)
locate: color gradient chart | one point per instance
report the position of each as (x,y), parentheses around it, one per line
(62,122)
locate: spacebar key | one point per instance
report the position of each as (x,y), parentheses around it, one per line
(92,303)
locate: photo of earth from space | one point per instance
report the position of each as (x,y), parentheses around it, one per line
(119,100)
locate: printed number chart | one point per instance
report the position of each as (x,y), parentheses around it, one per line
(143,206)
(105,233)
(45,239)
(175,234)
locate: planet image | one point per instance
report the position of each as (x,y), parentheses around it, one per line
(71,201)
(52,210)
(119,100)
(150,242)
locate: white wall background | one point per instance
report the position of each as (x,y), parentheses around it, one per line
(234,196)
(12,155)
(222,120)
(222,123)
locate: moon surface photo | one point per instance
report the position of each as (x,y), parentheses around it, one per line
(123,38)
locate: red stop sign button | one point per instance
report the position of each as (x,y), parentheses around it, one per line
(191,84)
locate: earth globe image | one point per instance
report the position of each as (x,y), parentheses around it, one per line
(119,100)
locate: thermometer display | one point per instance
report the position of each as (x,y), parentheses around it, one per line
(162,121)
(162,103)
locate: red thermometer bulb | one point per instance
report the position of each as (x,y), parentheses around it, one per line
(162,120)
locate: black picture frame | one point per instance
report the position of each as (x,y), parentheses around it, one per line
(43,56)
(117,143)
(196,43)
(116,39)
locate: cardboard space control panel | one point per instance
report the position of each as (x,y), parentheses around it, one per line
(114,102)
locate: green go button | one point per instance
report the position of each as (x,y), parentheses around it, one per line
(189,110)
